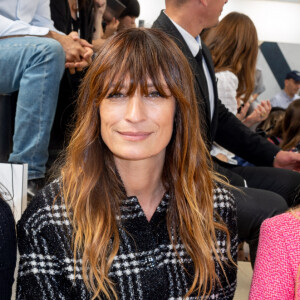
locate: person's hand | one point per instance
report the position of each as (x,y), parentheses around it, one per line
(111,28)
(287,160)
(78,51)
(222,157)
(98,43)
(263,110)
(254,97)
(260,113)
(79,66)
(242,110)
(85,57)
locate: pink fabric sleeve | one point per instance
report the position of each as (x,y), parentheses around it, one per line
(272,277)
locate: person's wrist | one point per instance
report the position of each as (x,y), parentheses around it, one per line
(275,160)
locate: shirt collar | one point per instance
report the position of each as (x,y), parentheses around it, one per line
(194,44)
(130,208)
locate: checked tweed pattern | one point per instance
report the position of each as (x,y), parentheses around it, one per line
(146,266)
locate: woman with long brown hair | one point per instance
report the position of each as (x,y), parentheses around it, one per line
(234,47)
(137,212)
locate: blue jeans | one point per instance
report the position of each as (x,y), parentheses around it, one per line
(34,66)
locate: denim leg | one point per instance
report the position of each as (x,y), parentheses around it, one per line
(34,66)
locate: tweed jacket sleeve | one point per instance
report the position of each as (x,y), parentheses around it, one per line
(46,268)
(278,259)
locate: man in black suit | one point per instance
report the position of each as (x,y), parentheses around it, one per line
(269,190)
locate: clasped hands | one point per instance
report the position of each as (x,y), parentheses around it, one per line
(78,52)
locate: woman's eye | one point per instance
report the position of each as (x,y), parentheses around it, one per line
(154,94)
(116,95)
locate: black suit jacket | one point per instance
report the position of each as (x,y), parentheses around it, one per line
(61,16)
(224,128)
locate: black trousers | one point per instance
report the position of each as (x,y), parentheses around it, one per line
(270,191)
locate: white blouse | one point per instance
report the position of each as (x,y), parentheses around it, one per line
(227,87)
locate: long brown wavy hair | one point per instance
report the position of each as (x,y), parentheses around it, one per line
(291,126)
(90,180)
(234,47)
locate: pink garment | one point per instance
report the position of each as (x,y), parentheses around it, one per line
(278,259)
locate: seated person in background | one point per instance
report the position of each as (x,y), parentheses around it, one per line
(269,189)
(129,15)
(277,267)
(8,250)
(291,127)
(148,217)
(289,93)
(33,56)
(71,16)
(125,20)
(259,86)
(99,37)
(234,47)
(272,126)
(84,17)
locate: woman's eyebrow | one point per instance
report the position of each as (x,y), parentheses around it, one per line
(163,85)
(113,85)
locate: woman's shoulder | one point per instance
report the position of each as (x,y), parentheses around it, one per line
(284,230)
(223,198)
(225,206)
(287,223)
(46,206)
(227,75)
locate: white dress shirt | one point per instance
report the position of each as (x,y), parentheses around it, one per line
(195,45)
(282,99)
(25,17)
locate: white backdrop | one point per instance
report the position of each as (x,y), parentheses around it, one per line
(276,21)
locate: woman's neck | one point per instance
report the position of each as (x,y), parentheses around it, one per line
(143,180)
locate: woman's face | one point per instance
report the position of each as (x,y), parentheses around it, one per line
(137,127)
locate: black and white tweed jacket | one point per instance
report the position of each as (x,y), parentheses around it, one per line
(146,266)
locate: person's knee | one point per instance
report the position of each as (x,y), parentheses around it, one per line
(253,207)
(54,53)
(294,186)
(290,187)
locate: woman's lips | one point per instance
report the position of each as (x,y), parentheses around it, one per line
(134,136)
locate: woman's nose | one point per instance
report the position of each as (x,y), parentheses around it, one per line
(135,110)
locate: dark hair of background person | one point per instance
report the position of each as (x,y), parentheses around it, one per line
(291,126)
(90,180)
(132,8)
(234,47)
(8,247)
(272,126)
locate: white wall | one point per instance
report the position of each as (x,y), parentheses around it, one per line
(276,21)
(150,10)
